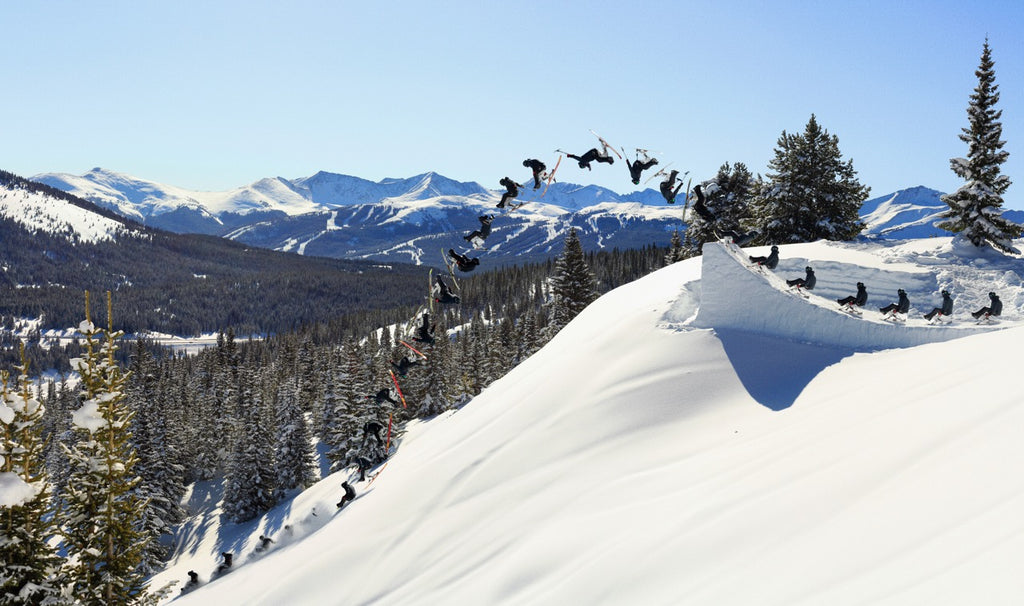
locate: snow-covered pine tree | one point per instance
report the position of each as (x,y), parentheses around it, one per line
(101,517)
(345,408)
(249,486)
(812,194)
(975,209)
(159,469)
(29,565)
(440,391)
(573,286)
(675,249)
(293,453)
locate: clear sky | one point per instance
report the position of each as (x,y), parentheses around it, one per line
(217,94)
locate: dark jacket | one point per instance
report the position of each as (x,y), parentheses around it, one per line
(807,282)
(946,307)
(903,304)
(771,261)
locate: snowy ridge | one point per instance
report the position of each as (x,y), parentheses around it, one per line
(38,211)
(727,301)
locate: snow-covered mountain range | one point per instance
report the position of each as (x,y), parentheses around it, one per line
(411,219)
(700,436)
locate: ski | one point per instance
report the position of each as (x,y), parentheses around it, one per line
(420,353)
(398,389)
(606,144)
(551,177)
(663,172)
(430,290)
(451,268)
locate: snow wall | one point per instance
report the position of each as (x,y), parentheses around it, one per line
(735,295)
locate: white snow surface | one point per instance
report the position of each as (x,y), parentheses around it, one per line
(38,211)
(647,456)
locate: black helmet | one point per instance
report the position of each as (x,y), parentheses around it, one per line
(775,248)
(992,294)
(860,285)
(636,181)
(945,293)
(901,291)
(808,268)
(526,162)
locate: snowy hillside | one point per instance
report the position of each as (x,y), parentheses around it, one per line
(38,211)
(648,456)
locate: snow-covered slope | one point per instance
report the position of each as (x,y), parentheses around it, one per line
(38,211)
(643,457)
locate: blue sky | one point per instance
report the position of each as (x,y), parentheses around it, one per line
(214,95)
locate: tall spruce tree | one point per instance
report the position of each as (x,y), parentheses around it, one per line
(293,453)
(975,209)
(812,194)
(249,488)
(29,565)
(573,286)
(101,518)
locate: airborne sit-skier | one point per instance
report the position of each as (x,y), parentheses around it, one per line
(638,166)
(700,208)
(484,231)
(382,396)
(807,282)
(511,191)
(592,155)
(770,261)
(902,306)
(859,299)
(994,307)
(404,364)
(945,308)
(538,169)
(443,294)
(462,261)
(425,333)
(669,189)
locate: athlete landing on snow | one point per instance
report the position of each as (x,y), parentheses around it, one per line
(350,493)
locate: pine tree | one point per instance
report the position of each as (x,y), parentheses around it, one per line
(249,486)
(675,249)
(347,406)
(293,453)
(573,285)
(29,565)
(812,194)
(162,484)
(975,208)
(101,520)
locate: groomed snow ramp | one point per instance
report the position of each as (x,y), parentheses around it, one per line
(735,295)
